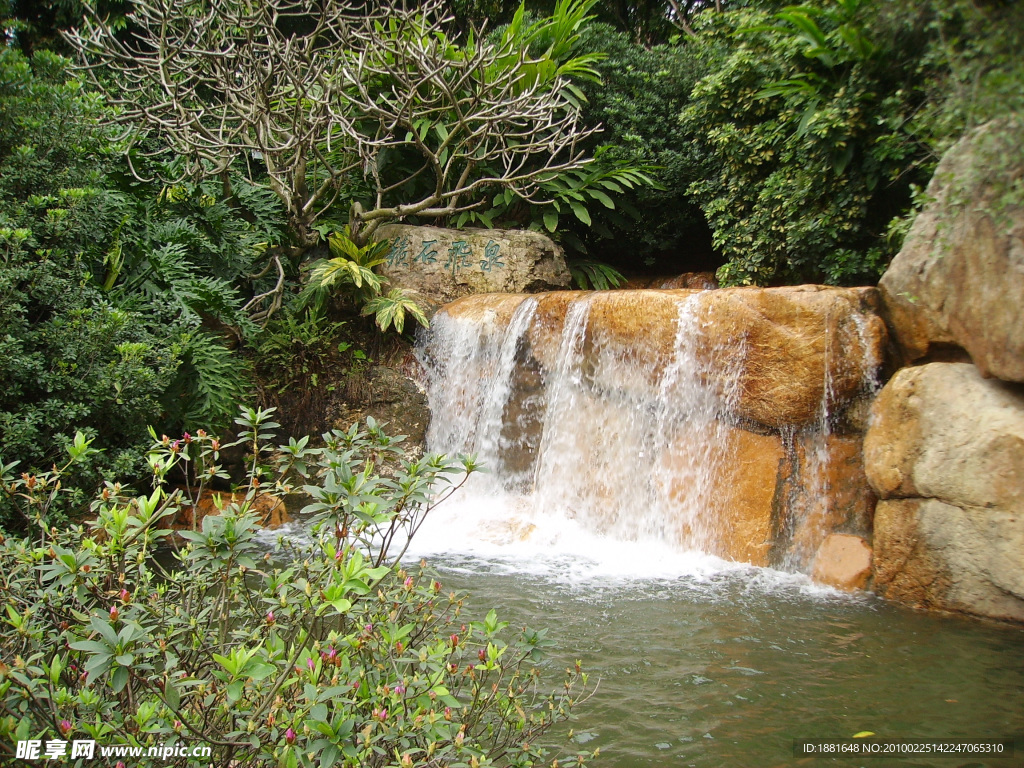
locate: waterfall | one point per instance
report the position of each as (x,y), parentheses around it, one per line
(634,415)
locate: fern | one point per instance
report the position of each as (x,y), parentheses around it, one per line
(210,382)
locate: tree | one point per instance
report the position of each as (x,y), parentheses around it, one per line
(335,100)
(805,127)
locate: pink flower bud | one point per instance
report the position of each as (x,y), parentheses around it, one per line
(407,584)
(482,655)
(126,596)
(447,713)
(270,617)
(114,613)
(289,737)
(310,664)
(65,727)
(454,641)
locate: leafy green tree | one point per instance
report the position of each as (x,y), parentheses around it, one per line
(374,104)
(637,103)
(805,128)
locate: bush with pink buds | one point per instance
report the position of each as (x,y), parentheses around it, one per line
(328,654)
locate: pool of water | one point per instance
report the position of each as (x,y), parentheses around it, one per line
(727,670)
(705,663)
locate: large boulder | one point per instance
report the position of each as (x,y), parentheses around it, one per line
(959,279)
(774,356)
(445,264)
(945,453)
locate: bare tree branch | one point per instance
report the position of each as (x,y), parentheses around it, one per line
(315,111)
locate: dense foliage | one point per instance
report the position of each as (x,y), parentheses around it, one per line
(805,123)
(322,653)
(784,143)
(110,289)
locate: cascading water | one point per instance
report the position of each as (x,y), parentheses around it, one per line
(634,436)
(634,431)
(645,449)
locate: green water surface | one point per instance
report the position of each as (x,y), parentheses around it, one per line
(726,671)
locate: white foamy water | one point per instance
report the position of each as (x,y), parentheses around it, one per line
(509,534)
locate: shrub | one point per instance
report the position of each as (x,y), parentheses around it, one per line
(805,127)
(324,653)
(106,284)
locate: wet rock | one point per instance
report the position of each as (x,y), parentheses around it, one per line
(445,264)
(945,453)
(741,500)
(701,281)
(826,490)
(959,279)
(802,348)
(269,510)
(843,562)
(934,555)
(775,356)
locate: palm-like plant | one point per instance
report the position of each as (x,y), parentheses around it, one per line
(353,265)
(391,309)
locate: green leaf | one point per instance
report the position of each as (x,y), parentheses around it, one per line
(551,220)
(581,212)
(119,679)
(602,197)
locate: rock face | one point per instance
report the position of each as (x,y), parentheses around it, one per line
(798,349)
(959,279)
(802,347)
(843,562)
(945,453)
(445,264)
